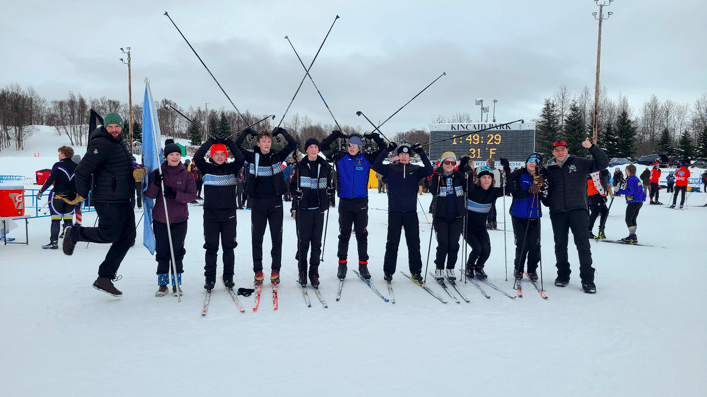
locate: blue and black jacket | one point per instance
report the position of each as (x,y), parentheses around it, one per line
(353,171)
(525,205)
(634,190)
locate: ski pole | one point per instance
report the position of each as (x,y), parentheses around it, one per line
(94,225)
(139,220)
(432,229)
(272,116)
(308,69)
(423,211)
(505,249)
(328,208)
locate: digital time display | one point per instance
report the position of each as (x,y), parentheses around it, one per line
(512,141)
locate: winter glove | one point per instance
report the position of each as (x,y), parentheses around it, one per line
(331,192)
(245,291)
(505,163)
(623,185)
(251,131)
(463,161)
(439,170)
(39,195)
(170,193)
(158,179)
(277,131)
(391,147)
(71,198)
(297,195)
(370,135)
(338,134)
(417,148)
(537,185)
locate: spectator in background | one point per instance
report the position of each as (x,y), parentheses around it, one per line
(139,173)
(646,180)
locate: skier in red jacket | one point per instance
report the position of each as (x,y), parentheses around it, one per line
(681,177)
(655,187)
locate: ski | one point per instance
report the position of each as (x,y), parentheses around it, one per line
(304,294)
(390,292)
(426,288)
(341,287)
(497,289)
(473,281)
(319,296)
(535,284)
(234,296)
(373,287)
(440,281)
(275,302)
(258,290)
(454,285)
(619,242)
(207,299)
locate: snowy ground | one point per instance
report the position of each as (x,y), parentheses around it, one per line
(641,334)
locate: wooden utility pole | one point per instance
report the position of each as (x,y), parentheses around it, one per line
(600,18)
(130,96)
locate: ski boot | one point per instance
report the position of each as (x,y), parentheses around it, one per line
(450,275)
(302,279)
(589,287)
(672,206)
(518,274)
(209,284)
(228,281)
(533,276)
(592,236)
(341,274)
(439,274)
(314,280)
(560,282)
(680,206)
(652,203)
(480,273)
(658,203)
(416,277)
(363,270)
(53,245)
(469,271)
(258,278)
(601,235)
(388,277)
(275,277)
(631,239)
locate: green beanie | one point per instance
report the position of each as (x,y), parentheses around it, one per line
(113,118)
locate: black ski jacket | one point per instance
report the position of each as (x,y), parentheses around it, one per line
(62,177)
(439,190)
(219,180)
(567,182)
(111,164)
(403,181)
(311,184)
(266,166)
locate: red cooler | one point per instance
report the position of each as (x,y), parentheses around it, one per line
(12,201)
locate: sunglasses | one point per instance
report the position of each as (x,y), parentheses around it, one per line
(450,162)
(559,143)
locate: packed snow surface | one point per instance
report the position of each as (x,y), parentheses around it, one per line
(643,333)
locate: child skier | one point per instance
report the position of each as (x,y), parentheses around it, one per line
(480,199)
(266,186)
(635,196)
(403,179)
(597,185)
(179,191)
(62,177)
(311,188)
(447,185)
(219,180)
(528,189)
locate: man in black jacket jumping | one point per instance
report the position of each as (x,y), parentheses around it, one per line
(567,199)
(108,159)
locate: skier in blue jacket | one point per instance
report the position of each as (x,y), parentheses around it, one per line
(635,196)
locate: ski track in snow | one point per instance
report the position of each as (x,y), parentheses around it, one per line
(641,334)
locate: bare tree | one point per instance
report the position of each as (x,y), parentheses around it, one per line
(562,99)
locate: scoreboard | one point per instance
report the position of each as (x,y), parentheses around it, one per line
(512,141)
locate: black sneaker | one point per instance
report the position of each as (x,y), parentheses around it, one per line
(561,282)
(314,280)
(209,285)
(363,270)
(533,276)
(589,287)
(388,277)
(53,245)
(106,285)
(480,274)
(341,274)
(416,277)
(69,242)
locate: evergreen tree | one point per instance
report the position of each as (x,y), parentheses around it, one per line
(702,144)
(137,131)
(626,132)
(548,128)
(194,135)
(665,144)
(686,148)
(609,141)
(213,127)
(575,133)
(224,129)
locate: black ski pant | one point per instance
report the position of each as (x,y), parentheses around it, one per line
(597,205)
(353,213)
(678,190)
(310,226)
(162,253)
(632,210)
(138,194)
(527,239)
(655,191)
(219,223)
(199,185)
(264,212)
(59,210)
(116,225)
(448,233)
(480,244)
(396,222)
(578,221)
(670,187)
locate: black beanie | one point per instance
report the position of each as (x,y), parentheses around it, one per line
(310,142)
(404,149)
(171,147)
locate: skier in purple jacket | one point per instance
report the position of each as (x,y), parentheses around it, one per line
(179,191)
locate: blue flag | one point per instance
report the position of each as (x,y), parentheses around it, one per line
(152,154)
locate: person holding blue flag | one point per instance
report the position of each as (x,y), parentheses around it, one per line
(110,164)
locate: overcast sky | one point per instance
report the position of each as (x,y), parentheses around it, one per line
(379,53)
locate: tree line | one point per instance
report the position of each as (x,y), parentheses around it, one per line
(661,127)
